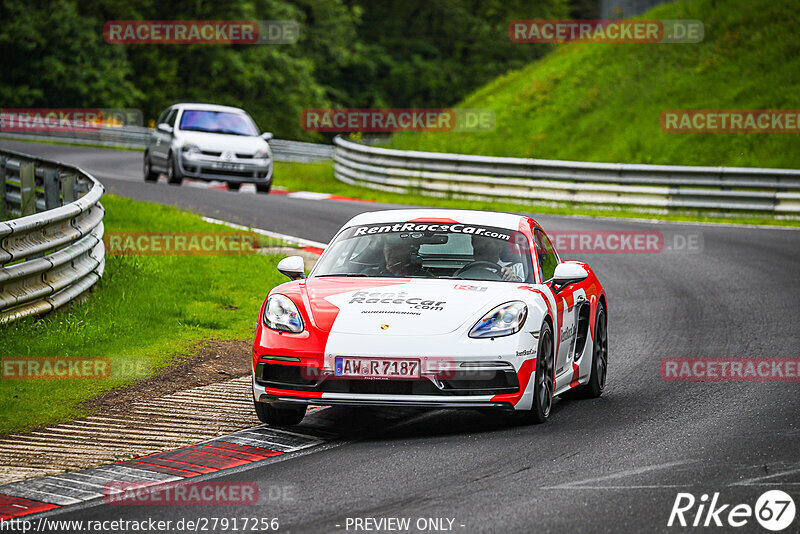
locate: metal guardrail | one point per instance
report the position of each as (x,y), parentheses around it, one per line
(53,251)
(523,180)
(136,137)
(284,150)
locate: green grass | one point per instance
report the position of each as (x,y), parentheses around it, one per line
(146,309)
(318,177)
(602,102)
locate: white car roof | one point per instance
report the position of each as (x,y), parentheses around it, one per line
(208,107)
(487,218)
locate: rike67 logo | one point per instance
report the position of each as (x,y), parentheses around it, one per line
(774,510)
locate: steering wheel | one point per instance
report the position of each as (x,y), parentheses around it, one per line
(484,265)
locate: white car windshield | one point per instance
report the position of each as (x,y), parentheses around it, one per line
(223,122)
(429,250)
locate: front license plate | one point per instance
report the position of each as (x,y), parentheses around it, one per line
(377,368)
(228,166)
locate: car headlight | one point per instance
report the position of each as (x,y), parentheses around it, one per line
(190,150)
(503,320)
(261,153)
(281,314)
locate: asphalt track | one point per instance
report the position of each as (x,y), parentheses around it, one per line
(614,464)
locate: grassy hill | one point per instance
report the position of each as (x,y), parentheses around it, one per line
(602,102)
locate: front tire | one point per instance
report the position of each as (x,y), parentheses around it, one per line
(597,380)
(173,174)
(149,174)
(544,377)
(234,186)
(263,188)
(279,416)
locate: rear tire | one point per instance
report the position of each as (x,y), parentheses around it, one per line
(234,186)
(275,416)
(173,175)
(149,174)
(544,377)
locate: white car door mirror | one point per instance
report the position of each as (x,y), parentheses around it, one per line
(293,267)
(266,136)
(568,273)
(164,127)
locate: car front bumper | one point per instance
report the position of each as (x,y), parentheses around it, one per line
(384,400)
(471,382)
(235,169)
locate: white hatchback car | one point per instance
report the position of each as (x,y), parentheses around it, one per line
(209,142)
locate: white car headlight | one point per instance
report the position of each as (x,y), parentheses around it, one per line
(281,314)
(503,320)
(190,150)
(261,153)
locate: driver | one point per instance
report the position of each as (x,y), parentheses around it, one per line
(401,259)
(489,249)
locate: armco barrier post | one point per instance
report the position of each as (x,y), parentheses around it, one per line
(79,189)
(67,192)
(52,198)
(27,187)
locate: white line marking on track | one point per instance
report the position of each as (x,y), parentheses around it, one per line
(287,238)
(612,476)
(644,486)
(309,195)
(756,481)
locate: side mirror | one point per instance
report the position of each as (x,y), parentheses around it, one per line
(568,273)
(266,136)
(164,127)
(293,266)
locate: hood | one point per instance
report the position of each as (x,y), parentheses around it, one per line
(222,142)
(396,306)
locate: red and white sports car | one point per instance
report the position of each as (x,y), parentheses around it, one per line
(431,308)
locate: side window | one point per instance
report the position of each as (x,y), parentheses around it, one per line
(163,117)
(172,116)
(546,254)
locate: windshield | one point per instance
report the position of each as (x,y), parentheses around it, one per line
(429,250)
(223,122)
